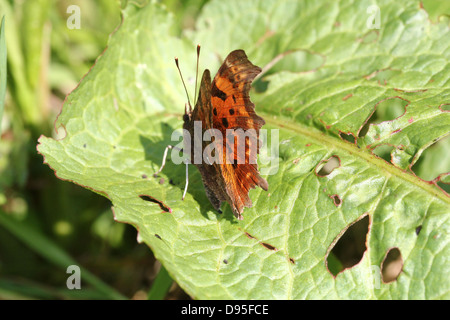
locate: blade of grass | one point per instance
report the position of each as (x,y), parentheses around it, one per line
(24,289)
(3,69)
(161,285)
(22,93)
(50,251)
(12,290)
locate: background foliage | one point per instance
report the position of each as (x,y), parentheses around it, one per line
(48,223)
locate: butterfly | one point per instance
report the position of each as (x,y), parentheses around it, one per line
(224,104)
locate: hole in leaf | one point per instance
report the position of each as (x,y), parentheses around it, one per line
(336,199)
(392,265)
(385,110)
(384,152)
(325,167)
(432,163)
(150,199)
(348,248)
(350,137)
(444,186)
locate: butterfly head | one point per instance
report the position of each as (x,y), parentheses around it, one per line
(187,114)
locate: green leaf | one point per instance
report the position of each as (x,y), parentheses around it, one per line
(329,74)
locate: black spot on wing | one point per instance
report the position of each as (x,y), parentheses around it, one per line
(216,92)
(225,122)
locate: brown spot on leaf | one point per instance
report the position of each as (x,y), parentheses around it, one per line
(418,229)
(347,96)
(411,91)
(249,235)
(445,107)
(268,246)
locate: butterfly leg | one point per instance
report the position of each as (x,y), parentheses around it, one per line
(186,162)
(164,158)
(187,178)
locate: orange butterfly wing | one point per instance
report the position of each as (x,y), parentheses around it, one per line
(233,109)
(225,104)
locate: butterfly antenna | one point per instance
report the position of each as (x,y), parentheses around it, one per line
(182,80)
(196,73)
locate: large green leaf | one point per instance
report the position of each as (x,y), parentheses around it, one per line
(332,74)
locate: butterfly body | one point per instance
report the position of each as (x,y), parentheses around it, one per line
(224,104)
